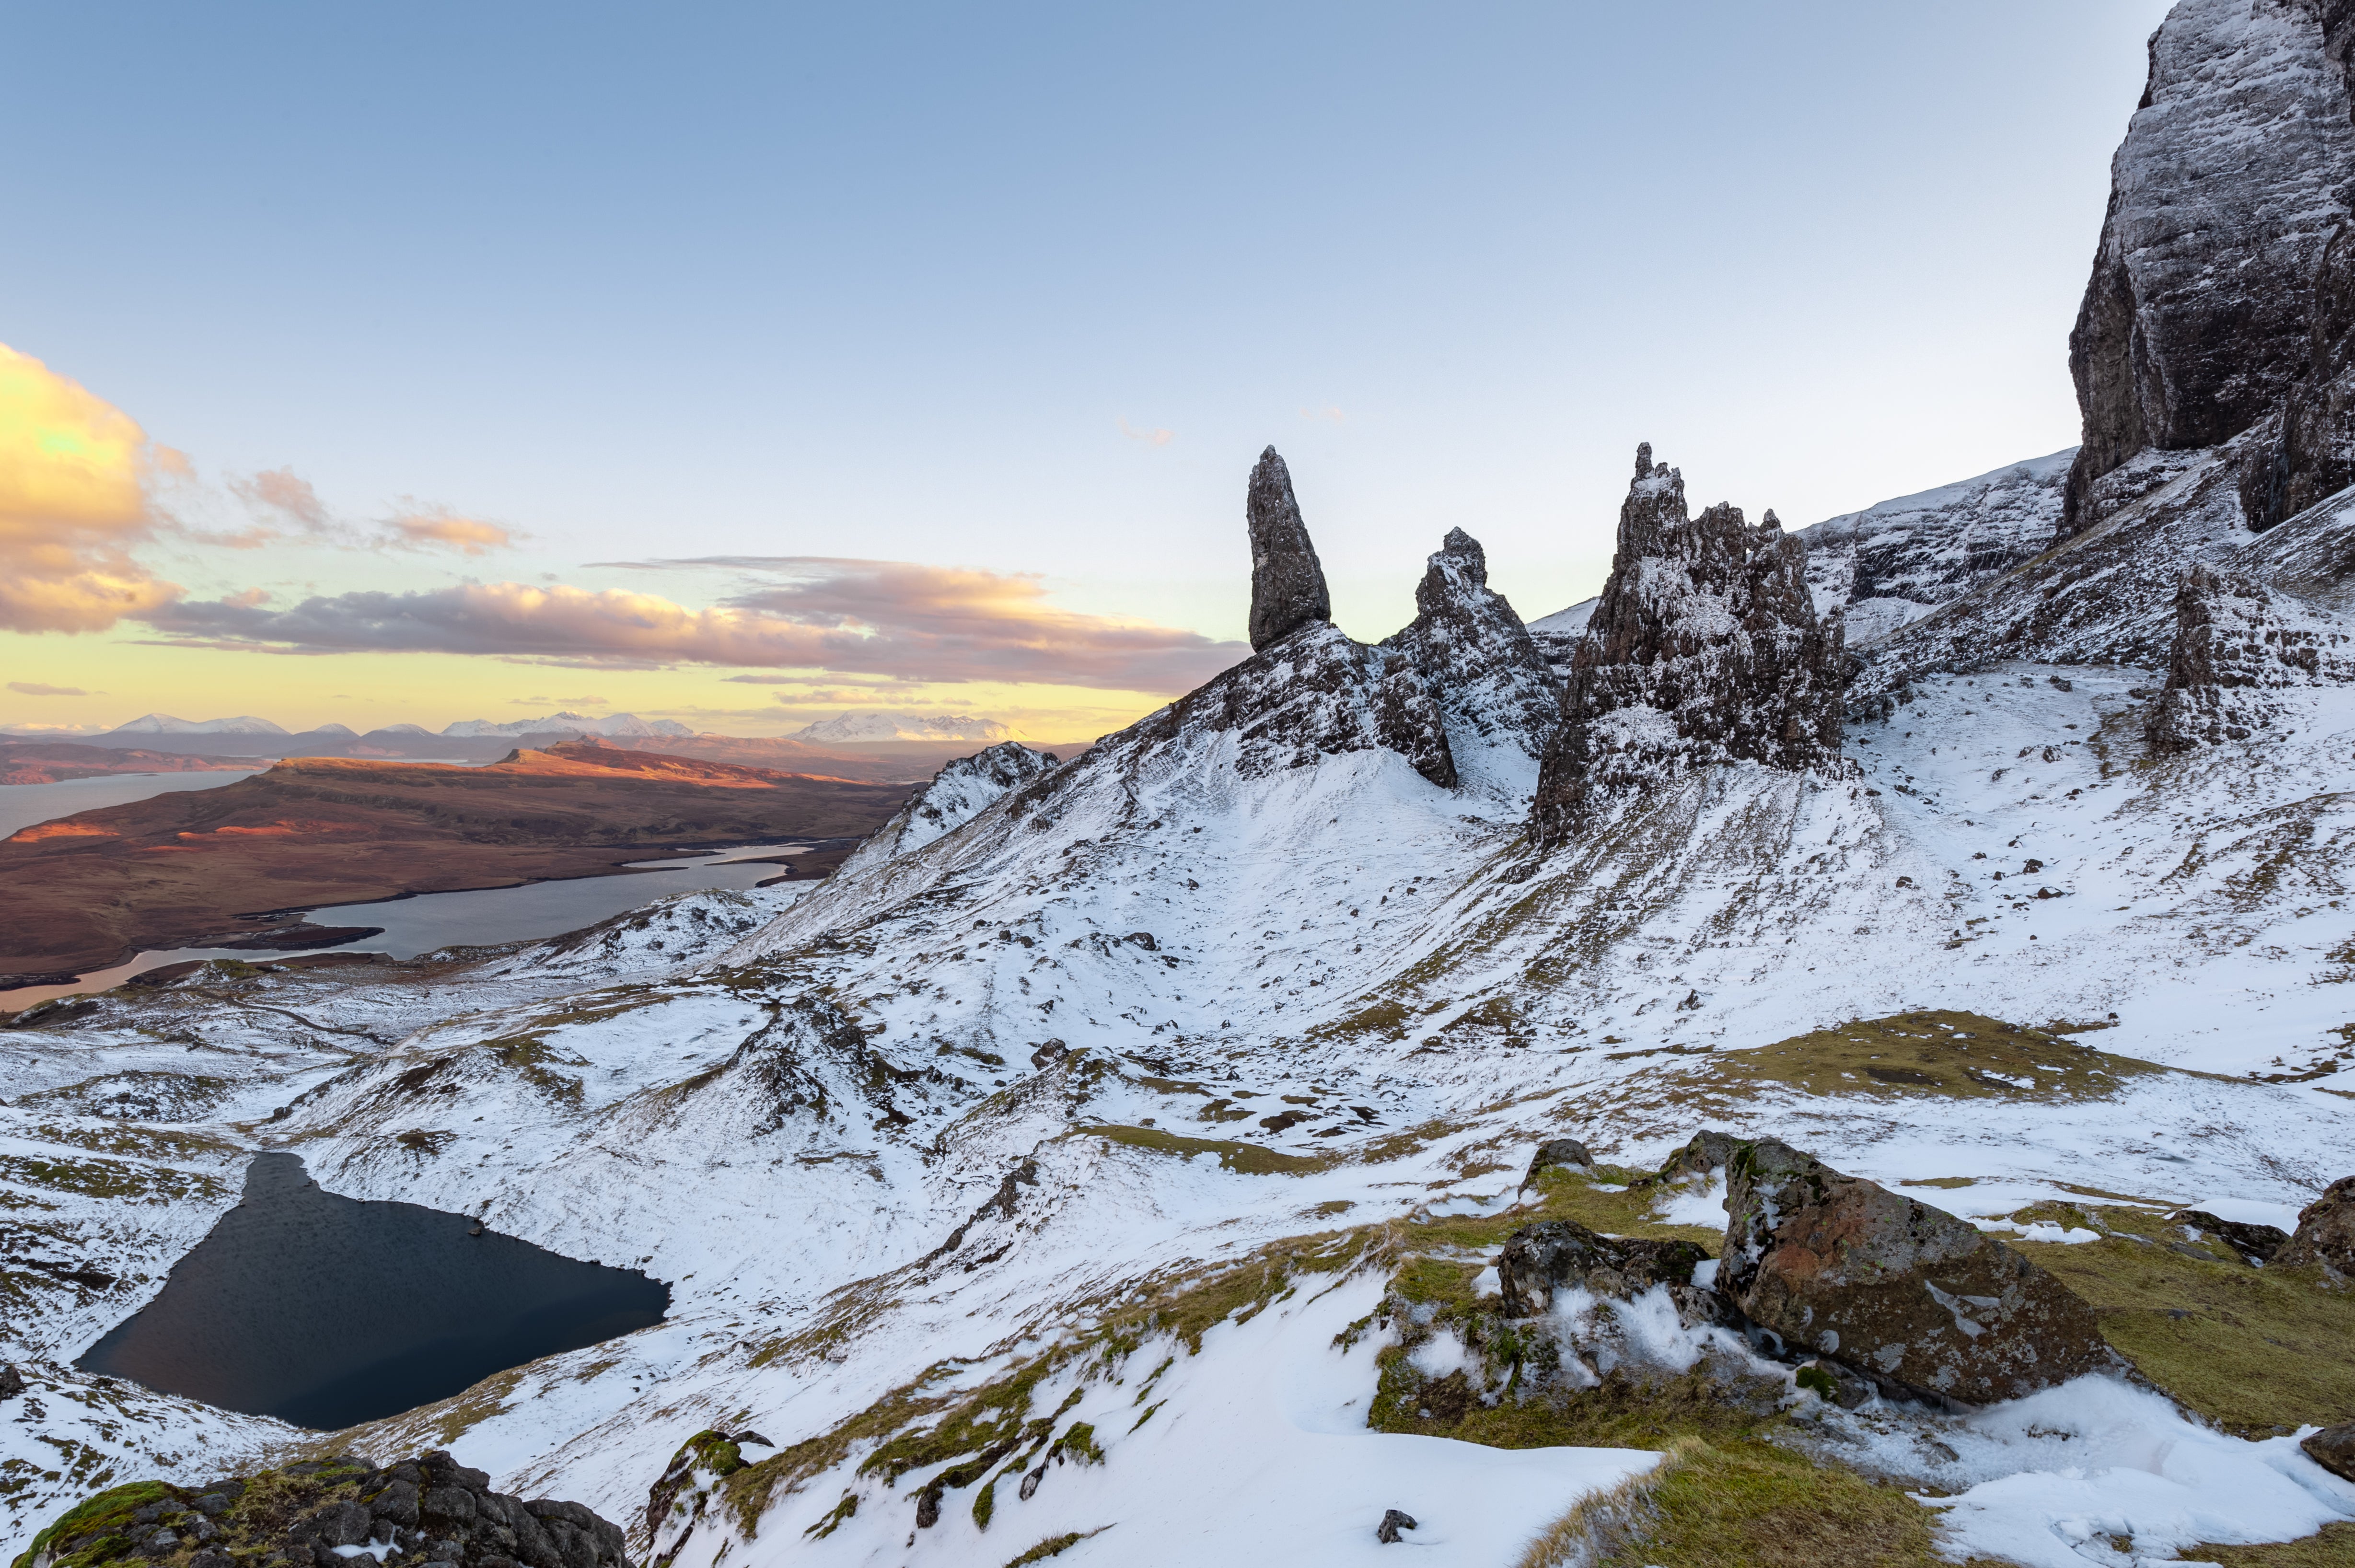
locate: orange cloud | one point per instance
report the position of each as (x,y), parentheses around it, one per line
(889,618)
(73,498)
(284,491)
(423,528)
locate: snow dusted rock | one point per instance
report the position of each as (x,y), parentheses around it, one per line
(1557,636)
(2251,1243)
(2231,179)
(1896,561)
(1539,1260)
(2235,642)
(958,793)
(2305,453)
(326,1512)
(677,1502)
(1705,648)
(1559,1154)
(1499,700)
(1287,580)
(1913,1297)
(1700,1158)
(2326,1231)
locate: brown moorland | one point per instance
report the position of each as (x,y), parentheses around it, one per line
(54,761)
(93,889)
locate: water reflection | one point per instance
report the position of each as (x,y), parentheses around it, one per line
(326,1311)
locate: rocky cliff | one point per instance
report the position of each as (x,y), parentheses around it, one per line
(1498,698)
(2229,186)
(2237,645)
(1287,580)
(1704,647)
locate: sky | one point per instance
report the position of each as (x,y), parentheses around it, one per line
(748,363)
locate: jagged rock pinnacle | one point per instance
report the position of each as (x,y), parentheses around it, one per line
(1287,580)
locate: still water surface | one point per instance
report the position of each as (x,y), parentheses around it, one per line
(326,1311)
(480,918)
(21,806)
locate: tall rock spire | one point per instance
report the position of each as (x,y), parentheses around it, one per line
(1287,580)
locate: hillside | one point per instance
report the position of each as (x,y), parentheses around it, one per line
(91,889)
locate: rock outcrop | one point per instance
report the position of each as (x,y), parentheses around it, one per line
(1558,1154)
(2333,1448)
(1539,1260)
(1704,648)
(960,792)
(1702,1157)
(1499,700)
(2230,181)
(2236,644)
(1909,1297)
(1317,694)
(1287,580)
(2252,1244)
(2326,1231)
(327,1513)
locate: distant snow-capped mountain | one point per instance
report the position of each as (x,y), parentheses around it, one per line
(165,724)
(869,727)
(577,723)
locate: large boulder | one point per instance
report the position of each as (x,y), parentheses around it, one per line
(1701,1157)
(1559,1154)
(1539,1260)
(2326,1231)
(1913,1297)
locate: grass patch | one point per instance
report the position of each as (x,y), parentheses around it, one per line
(1744,1504)
(108,1179)
(1055,1546)
(1248,1160)
(2258,1352)
(1944,1053)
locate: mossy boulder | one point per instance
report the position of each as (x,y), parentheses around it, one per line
(426,1509)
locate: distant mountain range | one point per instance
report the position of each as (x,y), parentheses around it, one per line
(853,728)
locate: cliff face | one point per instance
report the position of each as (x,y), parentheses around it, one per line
(2230,184)
(1704,647)
(2236,644)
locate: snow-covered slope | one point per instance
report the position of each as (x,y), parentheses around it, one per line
(571,723)
(165,724)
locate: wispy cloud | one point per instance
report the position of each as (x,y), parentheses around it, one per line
(1153,437)
(420,527)
(1328,414)
(280,494)
(41,688)
(74,472)
(887,618)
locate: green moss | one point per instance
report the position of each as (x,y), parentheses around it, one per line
(1078,1444)
(1054,1546)
(101,1524)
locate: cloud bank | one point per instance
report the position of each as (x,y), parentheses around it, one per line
(872,617)
(73,499)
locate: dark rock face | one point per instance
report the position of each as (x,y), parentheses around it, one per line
(2255,1243)
(1909,1297)
(1393,1521)
(1559,1154)
(1287,580)
(1540,1259)
(1495,691)
(1704,648)
(2333,1448)
(2230,183)
(2236,641)
(2305,452)
(12,1381)
(427,1509)
(2326,1231)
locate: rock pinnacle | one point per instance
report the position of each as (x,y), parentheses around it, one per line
(1287,580)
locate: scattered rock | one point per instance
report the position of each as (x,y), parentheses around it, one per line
(1540,1259)
(2326,1231)
(1914,1298)
(12,1381)
(1287,580)
(422,1510)
(2255,1243)
(2333,1448)
(1393,1521)
(1704,648)
(1559,1154)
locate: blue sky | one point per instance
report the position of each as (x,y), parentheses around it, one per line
(1026,289)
